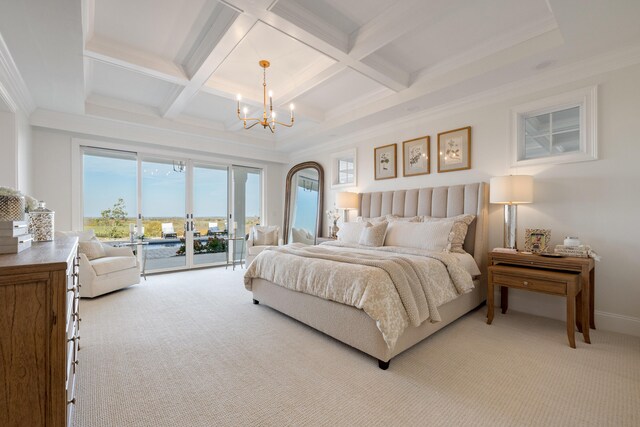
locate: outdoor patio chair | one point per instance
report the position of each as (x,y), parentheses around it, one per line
(167,231)
(213,229)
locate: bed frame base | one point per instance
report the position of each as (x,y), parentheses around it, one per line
(383,365)
(353,326)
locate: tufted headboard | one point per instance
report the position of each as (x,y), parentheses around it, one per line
(440,202)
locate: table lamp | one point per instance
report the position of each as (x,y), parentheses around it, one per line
(346,201)
(511,191)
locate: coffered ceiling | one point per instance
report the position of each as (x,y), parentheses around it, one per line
(344,64)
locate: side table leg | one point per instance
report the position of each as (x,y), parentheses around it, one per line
(592,285)
(585,317)
(571,314)
(579,308)
(504,299)
(490,298)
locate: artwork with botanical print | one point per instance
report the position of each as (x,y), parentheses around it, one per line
(415,156)
(454,150)
(385,161)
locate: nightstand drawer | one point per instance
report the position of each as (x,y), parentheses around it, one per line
(523,282)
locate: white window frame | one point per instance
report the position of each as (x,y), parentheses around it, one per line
(586,99)
(335,171)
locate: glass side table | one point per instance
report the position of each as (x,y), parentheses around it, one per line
(134,248)
(234,250)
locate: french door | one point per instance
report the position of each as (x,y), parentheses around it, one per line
(184,210)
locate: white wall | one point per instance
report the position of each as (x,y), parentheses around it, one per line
(598,201)
(24,143)
(53,175)
(8,150)
(15,151)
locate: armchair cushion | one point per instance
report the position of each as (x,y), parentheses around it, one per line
(112,264)
(264,235)
(92,249)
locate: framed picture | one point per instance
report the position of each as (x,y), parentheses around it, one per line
(454,150)
(415,156)
(385,161)
(537,240)
(344,170)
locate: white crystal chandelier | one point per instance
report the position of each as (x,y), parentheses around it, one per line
(268,119)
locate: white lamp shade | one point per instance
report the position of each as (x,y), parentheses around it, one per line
(512,189)
(346,200)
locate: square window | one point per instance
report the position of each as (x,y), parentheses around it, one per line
(561,129)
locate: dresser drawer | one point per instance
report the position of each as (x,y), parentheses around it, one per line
(535,284)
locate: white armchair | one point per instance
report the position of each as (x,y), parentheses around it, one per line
(261,237)
(104,268)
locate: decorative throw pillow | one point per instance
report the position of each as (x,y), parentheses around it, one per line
(373,235)
(459,230)
(350,232)
(93,249)
(432,236)
(265,236)
(396,218)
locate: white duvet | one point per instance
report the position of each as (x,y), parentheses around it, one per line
(396,287)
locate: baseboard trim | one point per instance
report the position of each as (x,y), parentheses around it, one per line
(617,323)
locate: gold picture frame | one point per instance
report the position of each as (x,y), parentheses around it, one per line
(454,150)
(536,240)
(385,161)
(415,156)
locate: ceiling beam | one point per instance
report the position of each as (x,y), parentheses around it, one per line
(396,21)
(135,60)
(224,34)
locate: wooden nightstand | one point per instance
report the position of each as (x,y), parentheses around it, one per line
(549,275)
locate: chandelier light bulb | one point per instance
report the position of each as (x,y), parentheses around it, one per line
(245,110)
(273,116)
(291,107)
(270,94)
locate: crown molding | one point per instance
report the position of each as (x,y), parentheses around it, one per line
(570,73)
(118,125)
(13,88)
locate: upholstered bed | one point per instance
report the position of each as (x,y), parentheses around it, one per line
(355,327)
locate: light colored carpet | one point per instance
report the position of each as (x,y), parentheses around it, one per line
(190,349)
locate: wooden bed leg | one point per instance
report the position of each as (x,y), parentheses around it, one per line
(256,302)
(383,365)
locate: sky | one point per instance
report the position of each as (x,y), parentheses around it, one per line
(306,210)
(107,179)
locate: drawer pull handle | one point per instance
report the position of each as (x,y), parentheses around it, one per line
(72,289)
(74,339)
(525,283)
(72,401)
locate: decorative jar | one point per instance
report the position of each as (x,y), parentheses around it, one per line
(12,208)
(41,223)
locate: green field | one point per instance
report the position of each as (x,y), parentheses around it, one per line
(119,230)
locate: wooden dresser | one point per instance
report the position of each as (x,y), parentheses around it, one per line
(39,338)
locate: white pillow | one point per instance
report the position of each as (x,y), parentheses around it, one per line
(433,236)
(396,218)
(265,235)
(373,235)
(376,220)
(93,249)
(300,235)
(350,232)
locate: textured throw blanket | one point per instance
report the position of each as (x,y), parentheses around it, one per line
(396,287)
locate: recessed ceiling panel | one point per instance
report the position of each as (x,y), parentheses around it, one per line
(211,107)
(120,83)
(357,11)
(465,27)
(346,87)
(292,63)
(166,28)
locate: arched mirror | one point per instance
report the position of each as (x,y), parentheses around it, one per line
(303,203)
